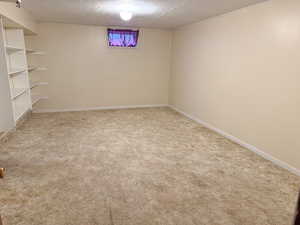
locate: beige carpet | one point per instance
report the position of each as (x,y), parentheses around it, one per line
(137,167)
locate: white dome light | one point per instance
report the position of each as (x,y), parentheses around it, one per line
(126,15)
(136,7)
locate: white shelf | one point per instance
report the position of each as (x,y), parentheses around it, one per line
(34,52)
(16,92)
(11,49)
(36,99)
(16,71)
(32,68)
(36,84)
(19,116)
(13,44)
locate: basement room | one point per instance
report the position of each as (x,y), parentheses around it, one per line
(149,112)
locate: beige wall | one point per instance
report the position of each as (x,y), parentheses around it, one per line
(240,72)
(18,16)
(83,72)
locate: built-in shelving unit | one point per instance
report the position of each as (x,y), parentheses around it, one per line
(15,92)
(17,74)
(17,71)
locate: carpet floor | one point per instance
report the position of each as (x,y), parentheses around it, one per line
(137,167)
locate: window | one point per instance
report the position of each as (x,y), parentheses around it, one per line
(122,38)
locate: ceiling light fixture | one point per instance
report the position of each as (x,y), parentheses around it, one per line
(136,7)
(126,15)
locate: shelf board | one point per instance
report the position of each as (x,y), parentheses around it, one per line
(18,117)
(16,71)
(33,68)
(36,99)
(11,49)
(34,52)
(36,84)
(18,92)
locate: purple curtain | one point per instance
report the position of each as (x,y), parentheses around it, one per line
(122,38)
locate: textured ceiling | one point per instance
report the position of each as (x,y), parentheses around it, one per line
(147,13)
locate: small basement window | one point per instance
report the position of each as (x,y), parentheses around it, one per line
(122,38)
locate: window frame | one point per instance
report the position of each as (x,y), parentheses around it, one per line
(125,29)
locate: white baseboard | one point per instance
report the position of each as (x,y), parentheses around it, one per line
(98,108)
(242,143)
